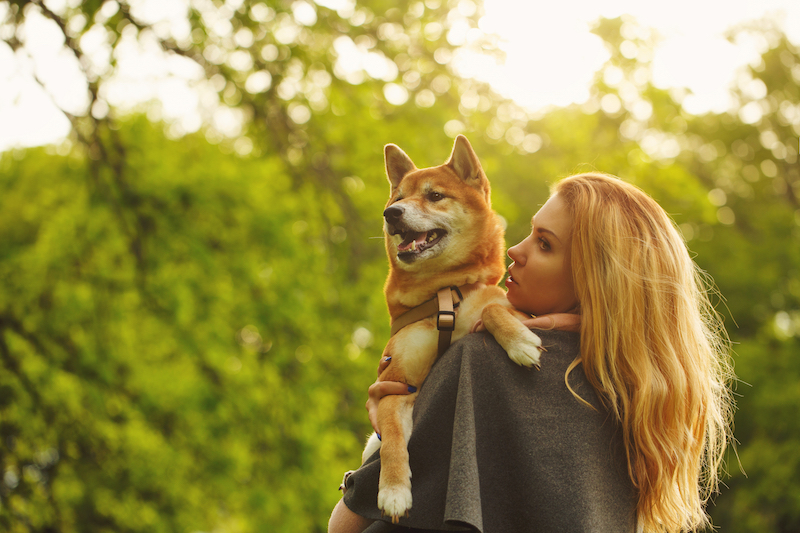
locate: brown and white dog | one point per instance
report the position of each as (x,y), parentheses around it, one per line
(440,232)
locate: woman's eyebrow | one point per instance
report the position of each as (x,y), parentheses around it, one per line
(543,230)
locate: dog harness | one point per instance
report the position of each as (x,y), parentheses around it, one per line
(443,306)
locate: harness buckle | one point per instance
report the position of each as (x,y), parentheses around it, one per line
(446,320)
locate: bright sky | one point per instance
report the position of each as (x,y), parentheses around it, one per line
(551,58)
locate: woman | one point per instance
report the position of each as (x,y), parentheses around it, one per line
(651,362)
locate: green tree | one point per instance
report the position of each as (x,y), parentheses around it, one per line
(184,330)
(188,323)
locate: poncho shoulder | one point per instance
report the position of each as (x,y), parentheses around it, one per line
(498,448)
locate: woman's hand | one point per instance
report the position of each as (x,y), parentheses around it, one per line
(379,389)
(559,321)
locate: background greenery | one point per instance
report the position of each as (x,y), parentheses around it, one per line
(189,323)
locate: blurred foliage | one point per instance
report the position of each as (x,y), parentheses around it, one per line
(189,322)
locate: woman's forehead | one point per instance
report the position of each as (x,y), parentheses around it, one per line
(554,215)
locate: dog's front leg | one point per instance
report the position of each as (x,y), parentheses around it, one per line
(522,345)
(394,488)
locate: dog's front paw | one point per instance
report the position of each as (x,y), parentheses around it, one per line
(395,501)
(525,350)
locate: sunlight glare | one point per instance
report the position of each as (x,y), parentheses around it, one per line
(704,64)
(551,58)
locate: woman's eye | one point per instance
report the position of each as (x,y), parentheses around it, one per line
(543,244)
(435,196)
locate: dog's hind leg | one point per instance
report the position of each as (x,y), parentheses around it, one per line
(373,443)
(522,345)
(394,488)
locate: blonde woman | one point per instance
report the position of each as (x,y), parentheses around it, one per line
(623,428)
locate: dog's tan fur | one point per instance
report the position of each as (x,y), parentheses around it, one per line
(471,251)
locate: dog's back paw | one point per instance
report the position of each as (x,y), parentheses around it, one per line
(394,501)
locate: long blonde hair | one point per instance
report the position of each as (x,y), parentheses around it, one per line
(652,346)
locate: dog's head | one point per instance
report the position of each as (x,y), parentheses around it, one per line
(437,217)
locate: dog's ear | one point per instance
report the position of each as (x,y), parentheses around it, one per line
(465,164)
(398,164)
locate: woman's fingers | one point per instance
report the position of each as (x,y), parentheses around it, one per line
(560,321)
(384,363)
(378,390)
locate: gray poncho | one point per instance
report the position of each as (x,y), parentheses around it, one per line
(498,448)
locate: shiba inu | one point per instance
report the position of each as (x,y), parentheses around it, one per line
(440,233)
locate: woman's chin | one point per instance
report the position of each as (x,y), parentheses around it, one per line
(515,303)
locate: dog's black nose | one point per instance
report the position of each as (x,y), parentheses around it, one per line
(393,214)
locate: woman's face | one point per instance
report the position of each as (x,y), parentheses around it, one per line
(540,278)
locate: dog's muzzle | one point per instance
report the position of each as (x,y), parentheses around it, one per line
(393,216)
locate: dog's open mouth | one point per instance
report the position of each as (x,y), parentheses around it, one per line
(416,242)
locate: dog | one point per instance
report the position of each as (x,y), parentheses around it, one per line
(440,233)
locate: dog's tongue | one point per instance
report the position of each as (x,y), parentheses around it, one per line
(413,240)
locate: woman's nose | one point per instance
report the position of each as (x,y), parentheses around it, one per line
(514,253)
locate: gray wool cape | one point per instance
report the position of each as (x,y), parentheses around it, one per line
(498,448)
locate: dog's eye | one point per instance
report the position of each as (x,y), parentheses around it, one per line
(435,196)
